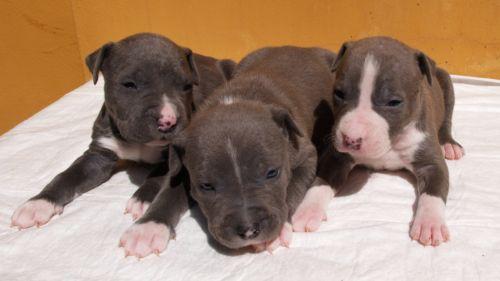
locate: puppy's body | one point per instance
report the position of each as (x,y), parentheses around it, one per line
(392,111)
(248,152)
(151,85)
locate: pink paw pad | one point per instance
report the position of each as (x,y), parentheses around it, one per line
(136,208)
(453,151)
(312,211)
(34,212)
(143,239)
(429,227)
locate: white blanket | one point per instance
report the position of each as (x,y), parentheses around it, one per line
(365,237)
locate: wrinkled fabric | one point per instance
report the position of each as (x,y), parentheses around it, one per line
(365,237)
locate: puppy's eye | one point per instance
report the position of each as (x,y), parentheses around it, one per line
(187,87)
(272,173)
(394,103)
(339,95)
(207,187)
(129,85)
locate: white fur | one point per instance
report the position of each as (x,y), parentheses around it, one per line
(432,205)
(143,239)
(167,104)
(429,226)
(34,212)
(376,151)
(363,122)
(227,100)
(129,151)
(136,208)
(312,210)
(401,153)
(234,159)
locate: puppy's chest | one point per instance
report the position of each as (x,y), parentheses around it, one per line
(134,152)
(400,155)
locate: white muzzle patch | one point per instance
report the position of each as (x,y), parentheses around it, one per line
(362,131)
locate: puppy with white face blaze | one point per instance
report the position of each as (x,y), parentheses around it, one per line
(393,110)
(151,87)
(247,158)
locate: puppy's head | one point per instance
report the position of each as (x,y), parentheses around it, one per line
(237,156)
(377,93)
(148,86)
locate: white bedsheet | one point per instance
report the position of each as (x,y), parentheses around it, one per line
(365,238)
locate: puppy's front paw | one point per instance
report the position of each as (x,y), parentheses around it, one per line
(308,218)
(429,227)
(453,151)
(34,212)
(312,211)
(136,208)
(143,239)
(284,240)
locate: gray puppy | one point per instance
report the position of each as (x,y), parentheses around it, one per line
(248,153)
(393,109)
(151,87)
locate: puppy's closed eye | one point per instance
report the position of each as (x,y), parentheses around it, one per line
(272,173)
(130,85)
(207,187)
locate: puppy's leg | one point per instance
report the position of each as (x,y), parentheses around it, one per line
(142,198)
(452,150)
(302,177)
(429,227)
(90,170)
(152,232)
(312,210)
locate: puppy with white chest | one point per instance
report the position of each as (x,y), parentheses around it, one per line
(151,86)
(247,156)
(393,110)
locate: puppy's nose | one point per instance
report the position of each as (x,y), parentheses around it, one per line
(248,231)
(351,143)
(166,122)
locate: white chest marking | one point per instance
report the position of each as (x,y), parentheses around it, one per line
(134,152)
(401,154)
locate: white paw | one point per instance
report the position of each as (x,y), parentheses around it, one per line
(143,239)
(136,208)
(284,240)
(312,211)
(452,151)
(34,212)
(429,227)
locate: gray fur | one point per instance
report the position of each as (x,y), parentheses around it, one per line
(157,67)
(263,119)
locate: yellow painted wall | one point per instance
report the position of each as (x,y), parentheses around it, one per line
(39,57)
(461,35)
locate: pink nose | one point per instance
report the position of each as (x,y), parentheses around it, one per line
(351,143)
(166,122)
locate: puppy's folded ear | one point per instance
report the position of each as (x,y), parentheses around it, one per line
(94,60)
(340,56)
(226,67)
(192,66)
(283,118)
(427,66)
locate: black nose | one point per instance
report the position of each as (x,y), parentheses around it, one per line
(248,231)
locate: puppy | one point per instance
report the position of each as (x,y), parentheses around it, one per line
(247,152)
(392,110)
(151,86)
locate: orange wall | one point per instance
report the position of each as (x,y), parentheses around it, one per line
(461,35)
(39,57)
